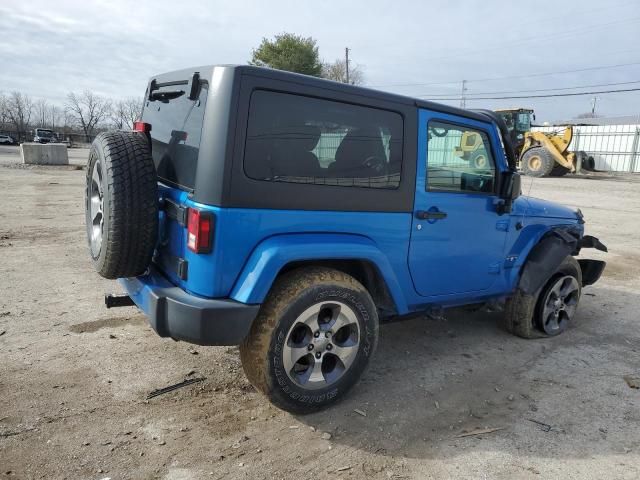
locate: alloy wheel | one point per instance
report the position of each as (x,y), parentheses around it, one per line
(560,304)
(321,345)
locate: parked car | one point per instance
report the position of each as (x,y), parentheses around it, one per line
(291,215)
(6,140)
(44,135)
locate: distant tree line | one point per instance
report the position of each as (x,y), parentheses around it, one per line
(82,116)
(85,114)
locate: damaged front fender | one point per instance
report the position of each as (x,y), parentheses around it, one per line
(591,270)
(550,251)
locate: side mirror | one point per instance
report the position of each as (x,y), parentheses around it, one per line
(516,186)
(511,186)
(510,189)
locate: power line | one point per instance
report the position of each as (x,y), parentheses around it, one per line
(508,77)
(549,95)
(470,95)
(519,42)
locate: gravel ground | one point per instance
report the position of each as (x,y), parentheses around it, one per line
(74,377)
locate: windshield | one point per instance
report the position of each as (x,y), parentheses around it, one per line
(43,133)
(523,122)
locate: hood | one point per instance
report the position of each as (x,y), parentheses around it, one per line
(544,208)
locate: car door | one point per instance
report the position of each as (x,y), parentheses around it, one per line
(457,238)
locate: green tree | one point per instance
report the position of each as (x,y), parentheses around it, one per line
(289,52)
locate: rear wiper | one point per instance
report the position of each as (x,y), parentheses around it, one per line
(193,86)
(165,95)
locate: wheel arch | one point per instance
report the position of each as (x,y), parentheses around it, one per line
(544,252)
(355,255)
(364,271)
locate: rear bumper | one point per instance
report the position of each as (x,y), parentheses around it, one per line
(174,313)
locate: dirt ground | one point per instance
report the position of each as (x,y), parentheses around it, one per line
(74,377)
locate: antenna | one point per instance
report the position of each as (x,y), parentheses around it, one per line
(527,197)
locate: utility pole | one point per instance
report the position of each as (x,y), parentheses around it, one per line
(346,63)
(593,106)
(463,98)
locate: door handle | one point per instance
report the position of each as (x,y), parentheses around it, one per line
(430,215)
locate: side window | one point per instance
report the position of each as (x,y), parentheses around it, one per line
(298,139)
(459,159)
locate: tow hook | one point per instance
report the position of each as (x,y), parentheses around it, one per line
(114,300)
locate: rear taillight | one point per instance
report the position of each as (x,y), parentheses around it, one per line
(199,231)
(141,127)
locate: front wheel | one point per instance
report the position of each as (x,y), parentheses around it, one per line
(312,339)
(549,311)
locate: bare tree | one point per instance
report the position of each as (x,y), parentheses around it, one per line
(19,110)
(41,108)
(125,112)
(4,113)
(88,110)
(337,71)
(53,116)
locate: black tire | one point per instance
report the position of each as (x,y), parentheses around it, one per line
(537,162)
(121,179)
(559,171)
(586,161)
(263,351)
(523,312)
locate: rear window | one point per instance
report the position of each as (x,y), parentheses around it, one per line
(176,127)
(298,139)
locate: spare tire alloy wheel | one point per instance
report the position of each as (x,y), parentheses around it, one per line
(96,209)
(121,204)
(559,304)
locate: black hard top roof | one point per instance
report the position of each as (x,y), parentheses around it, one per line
(354,90)
(285,76)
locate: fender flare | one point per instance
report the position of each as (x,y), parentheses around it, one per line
(545,258)
(273,254)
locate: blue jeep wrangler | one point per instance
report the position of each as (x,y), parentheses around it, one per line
(291,215)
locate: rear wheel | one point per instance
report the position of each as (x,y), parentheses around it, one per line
(312,339)
(121,204)
(537,162)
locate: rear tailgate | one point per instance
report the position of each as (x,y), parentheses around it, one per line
(174,107)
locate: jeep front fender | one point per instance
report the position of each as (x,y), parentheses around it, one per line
(273,254)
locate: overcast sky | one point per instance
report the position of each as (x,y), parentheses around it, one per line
(112,47)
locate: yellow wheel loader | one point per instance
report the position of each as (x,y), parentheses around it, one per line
(543,154)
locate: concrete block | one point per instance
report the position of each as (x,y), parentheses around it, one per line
(44,153)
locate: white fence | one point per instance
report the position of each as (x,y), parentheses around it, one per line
(615,148)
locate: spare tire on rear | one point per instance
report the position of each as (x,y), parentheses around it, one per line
(121,204)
